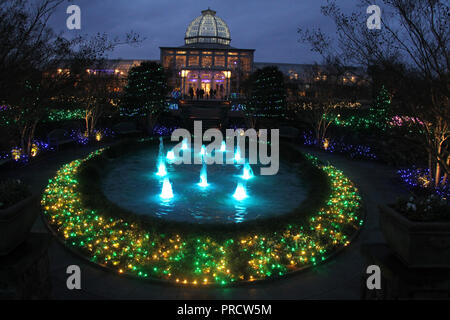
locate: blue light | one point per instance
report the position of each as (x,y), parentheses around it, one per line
(162,172)
(248,172)
(223,147)
(240,193)
(170,155)
(167,192)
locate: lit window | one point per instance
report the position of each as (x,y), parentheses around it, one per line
(194,61)
(207,61)
(219,61)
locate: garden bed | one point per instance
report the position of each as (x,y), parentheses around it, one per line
(79,214)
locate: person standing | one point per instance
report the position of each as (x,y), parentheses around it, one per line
(191,93)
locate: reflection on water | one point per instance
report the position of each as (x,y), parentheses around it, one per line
(241,212)
(132,184)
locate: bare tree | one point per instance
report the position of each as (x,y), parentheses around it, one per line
(36,64)
(415,34)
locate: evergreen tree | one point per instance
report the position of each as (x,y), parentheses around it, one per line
(267,94)
(145,92)
(379,114)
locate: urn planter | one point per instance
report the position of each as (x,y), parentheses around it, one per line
(417,244)
(16,223)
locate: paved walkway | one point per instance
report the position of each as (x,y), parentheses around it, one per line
(339,278)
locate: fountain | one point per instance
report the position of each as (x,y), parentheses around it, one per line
(184,146)
(248,172)
(170,155)
(162,171)
(203,176)
(237,155)
(161,147)
(240,193)
(167,192)
(223,147)
(233,193)
(203,151)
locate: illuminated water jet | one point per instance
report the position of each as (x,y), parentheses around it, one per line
(161,147)
(184,146)
(248,172)
(162,171)
(203,176)
(223,147)
(203,151)
(167,192)
(237,155)
(240,193)
(171,155)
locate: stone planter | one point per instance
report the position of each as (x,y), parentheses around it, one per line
(16,223)
(418,244)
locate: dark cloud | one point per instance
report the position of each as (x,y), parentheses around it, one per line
(269,26)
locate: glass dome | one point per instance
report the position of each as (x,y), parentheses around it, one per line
(208,29)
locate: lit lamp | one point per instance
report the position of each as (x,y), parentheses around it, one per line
(184,74)
(228,76)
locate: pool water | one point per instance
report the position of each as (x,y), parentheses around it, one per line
(132,183)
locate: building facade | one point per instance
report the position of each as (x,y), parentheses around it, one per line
(207,61)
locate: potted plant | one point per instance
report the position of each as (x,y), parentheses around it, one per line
(418,230)
(17,214)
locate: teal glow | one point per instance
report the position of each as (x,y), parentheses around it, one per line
(237,155)
(167,192)
(170,155)
(203,151)
(240,193)
(223,147)
(248,172)
(203,176)
(184,146)
(162,171)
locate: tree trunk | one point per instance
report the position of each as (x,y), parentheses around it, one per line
(151,122)
(444,181)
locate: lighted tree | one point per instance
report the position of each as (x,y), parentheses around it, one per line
(37,65)
(96,95)
(267,95)
(413,34)
(320,114)
(145,93)
(380,113)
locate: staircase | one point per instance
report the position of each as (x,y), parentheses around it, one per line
(212,113)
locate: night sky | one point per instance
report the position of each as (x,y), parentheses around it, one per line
(269,26)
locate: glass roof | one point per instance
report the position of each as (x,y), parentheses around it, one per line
(208,28)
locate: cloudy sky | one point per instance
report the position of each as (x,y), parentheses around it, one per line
(269,26)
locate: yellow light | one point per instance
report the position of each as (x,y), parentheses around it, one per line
(98,136)
(34,150)
(326,144)
(16,153)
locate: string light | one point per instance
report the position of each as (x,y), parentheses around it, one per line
(193,259)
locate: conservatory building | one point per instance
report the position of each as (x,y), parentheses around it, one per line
(206,60)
